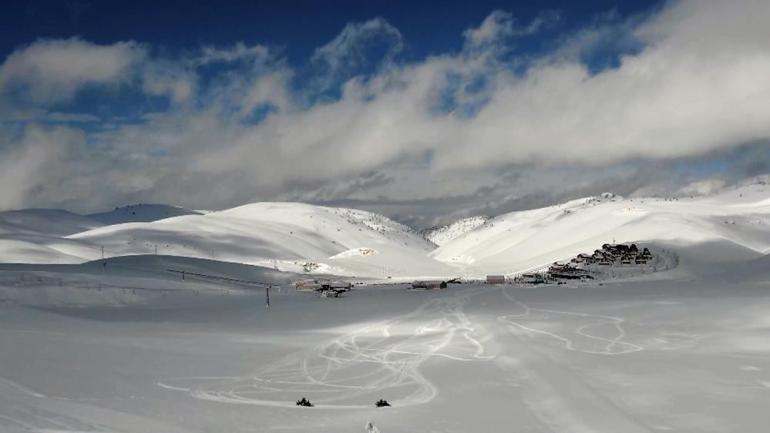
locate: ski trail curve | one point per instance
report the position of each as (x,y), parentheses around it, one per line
(353,370)
(596,344)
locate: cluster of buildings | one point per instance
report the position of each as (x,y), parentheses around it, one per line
(611,254)
(581,266)
(558,271)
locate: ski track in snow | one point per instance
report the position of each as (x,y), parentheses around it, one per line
(377,360)
(611,346)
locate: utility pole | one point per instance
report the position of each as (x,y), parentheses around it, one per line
(267,296)
(102,252)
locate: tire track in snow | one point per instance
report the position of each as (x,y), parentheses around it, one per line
(556,394)
(352,370)
(613,346)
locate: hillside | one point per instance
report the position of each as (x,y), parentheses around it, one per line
(140,213)
(444,234)
(304,238)
(521,241)
(37,235)
(288,236)
(51,222)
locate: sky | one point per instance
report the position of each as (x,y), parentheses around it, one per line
(424,111)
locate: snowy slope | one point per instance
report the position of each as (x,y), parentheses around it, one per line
(53,222)
(35,235)
(521,241)
(140,213)
(443,234)
(298,237)
(129,280)
(289,236)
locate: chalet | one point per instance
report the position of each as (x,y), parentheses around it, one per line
(556,267)
(584,258)
(626,259)
(567,272)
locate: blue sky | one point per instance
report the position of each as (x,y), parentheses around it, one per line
(425,111)
(294,29)
(299,26)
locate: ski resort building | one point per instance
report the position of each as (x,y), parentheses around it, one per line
(559,271)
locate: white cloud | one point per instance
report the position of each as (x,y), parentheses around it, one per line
(699,83)
(348,51)
(235,53)
(501,25)
(53,70)
(271,89)
(168,79)
(35,163)
(692,89)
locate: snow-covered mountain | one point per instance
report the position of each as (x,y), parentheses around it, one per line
(441,235)
(288,236)
(305,238)
(520,241)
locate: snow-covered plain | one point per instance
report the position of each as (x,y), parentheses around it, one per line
(125,345)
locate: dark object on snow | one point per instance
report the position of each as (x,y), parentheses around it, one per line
(304,402)
(429,285)
(382,403)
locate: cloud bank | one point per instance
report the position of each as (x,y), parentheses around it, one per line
(478,125)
